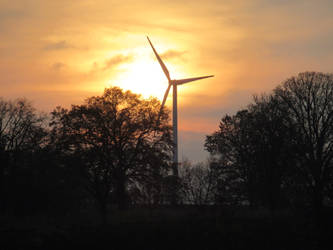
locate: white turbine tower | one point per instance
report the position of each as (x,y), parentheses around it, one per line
(174,84)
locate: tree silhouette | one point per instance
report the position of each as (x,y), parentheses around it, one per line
(198,184)
(22,132)
(309,100)
(232,152)
(281,141)
(119,139)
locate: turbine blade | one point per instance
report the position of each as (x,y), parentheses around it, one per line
(165,96)
(164,68)
(164,100)
(182,81)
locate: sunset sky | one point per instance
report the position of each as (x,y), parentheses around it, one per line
(60,52)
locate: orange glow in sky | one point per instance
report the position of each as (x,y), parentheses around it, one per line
(61,52)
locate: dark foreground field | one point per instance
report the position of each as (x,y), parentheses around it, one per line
(171,228)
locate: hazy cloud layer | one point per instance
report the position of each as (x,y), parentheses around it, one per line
(58,66)
(173,54)
(116,60)
(58,46)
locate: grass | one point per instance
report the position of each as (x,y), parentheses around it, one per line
(168,228)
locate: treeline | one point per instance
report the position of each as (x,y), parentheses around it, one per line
(278,152)
(96,154)
(115,150)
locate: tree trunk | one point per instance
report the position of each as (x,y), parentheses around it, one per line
(121,194)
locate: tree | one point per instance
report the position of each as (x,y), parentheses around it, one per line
(198,184)
(251,150)
(273,148)
(119,139)
(232,154)
(281,141)
(309,101)
(21,128)
(22,132)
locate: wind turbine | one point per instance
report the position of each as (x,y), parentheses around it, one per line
(174,83)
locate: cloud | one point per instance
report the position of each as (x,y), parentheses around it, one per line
(116,60)
(58,66)
(171,54)
(58,46)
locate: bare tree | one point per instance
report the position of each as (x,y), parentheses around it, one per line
(22,130)
(309,100)
(20,125)
(198,183)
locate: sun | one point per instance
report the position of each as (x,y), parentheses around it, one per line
(142,76)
